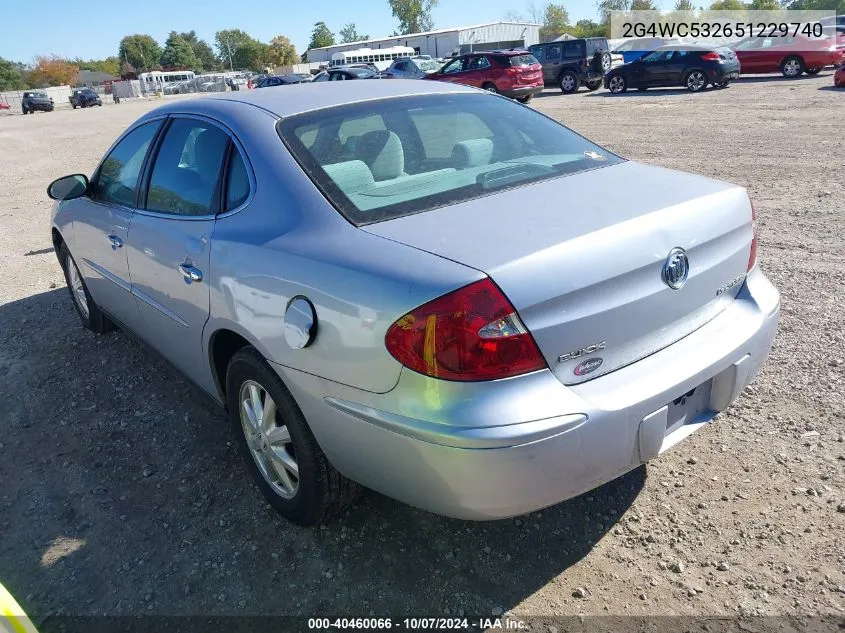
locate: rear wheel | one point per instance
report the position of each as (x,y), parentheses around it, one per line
(25,111)
(594,85)
(617,84)
(696,81)
(568,82)
(792,67)
(282,454)
(490,88)
(74,106)
(91,315)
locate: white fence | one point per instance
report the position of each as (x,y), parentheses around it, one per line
(60,94)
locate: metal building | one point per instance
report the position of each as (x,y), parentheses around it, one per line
(446,42)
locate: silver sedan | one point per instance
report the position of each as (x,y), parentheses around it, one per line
(420,288)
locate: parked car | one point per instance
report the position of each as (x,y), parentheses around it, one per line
(33,101)
(84,98)
(791,56)
(278,80)
(412,67)
(570,64)
(358,291)
(633,49)
(515,74)
(839,77)
(346,73)
(688,65)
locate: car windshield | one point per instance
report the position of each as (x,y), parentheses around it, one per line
(384,159)
(427,65)
(361,73)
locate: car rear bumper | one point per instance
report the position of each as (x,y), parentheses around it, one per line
(523,91)
(503,448)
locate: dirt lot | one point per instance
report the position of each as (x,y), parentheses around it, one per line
(122,492)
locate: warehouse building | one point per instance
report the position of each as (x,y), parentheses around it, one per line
(445,42)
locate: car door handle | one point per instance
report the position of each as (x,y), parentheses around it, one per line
(190,273)
(116,242)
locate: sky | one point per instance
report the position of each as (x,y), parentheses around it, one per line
(92,29)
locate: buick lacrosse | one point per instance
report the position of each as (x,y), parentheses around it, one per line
(421,288)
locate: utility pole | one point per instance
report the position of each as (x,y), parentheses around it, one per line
(229,48)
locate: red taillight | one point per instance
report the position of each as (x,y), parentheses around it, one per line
(712,56)
(472,333)
(752,256)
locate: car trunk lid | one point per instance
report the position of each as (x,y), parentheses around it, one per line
(581,258)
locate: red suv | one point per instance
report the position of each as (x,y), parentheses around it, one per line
(515,74)
(788,55)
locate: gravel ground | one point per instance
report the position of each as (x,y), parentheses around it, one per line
(122,492)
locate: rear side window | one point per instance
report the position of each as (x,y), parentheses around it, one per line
(596,45)
(186,171)
(117,179)
(573,49)
(537,51)
(237,185)
(434,150)
(523,60)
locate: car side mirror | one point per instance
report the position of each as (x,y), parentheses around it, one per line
(68,187)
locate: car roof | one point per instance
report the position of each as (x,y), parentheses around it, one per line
(313,96)
(687,47)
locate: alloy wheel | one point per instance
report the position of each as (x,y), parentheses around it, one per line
(792,68)
(77,288)
(616,84)
(695,81)
(269,442)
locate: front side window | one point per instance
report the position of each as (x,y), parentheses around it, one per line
(433,150)
(454,66)
(116,181)
(186,171)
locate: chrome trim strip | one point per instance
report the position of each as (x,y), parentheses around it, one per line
(107,275)
(487,437)
(155,304)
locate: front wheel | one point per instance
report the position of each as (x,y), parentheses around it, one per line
(594,85)
(282,454)
(792,67)
(696,81)
(89,313)
(73,105)
(617,84)
(568,82)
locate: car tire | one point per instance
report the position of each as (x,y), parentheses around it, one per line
(73,106)
(594,85)
(89,313)
(317,491)
(722,84)
(490,87)
(617,84)
(813,71)
(606,62)
(568,82)
(24,111)
(525,99)
(792,67)
(696,80)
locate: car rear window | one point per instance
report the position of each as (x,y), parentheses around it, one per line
(384,159)
(523,60)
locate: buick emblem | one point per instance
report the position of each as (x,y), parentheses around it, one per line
(676,268)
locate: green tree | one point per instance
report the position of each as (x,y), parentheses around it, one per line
(205,54)
(643,5)
(838,6)
(142,51)
(727,5)
(237,49)
(606,6)
(109,65)
(282,52)
(589,28)
(684,5)
(178,53)
(555,22)
(414,15)
(764,5)
(321,36)
(350,34)
(12,75)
